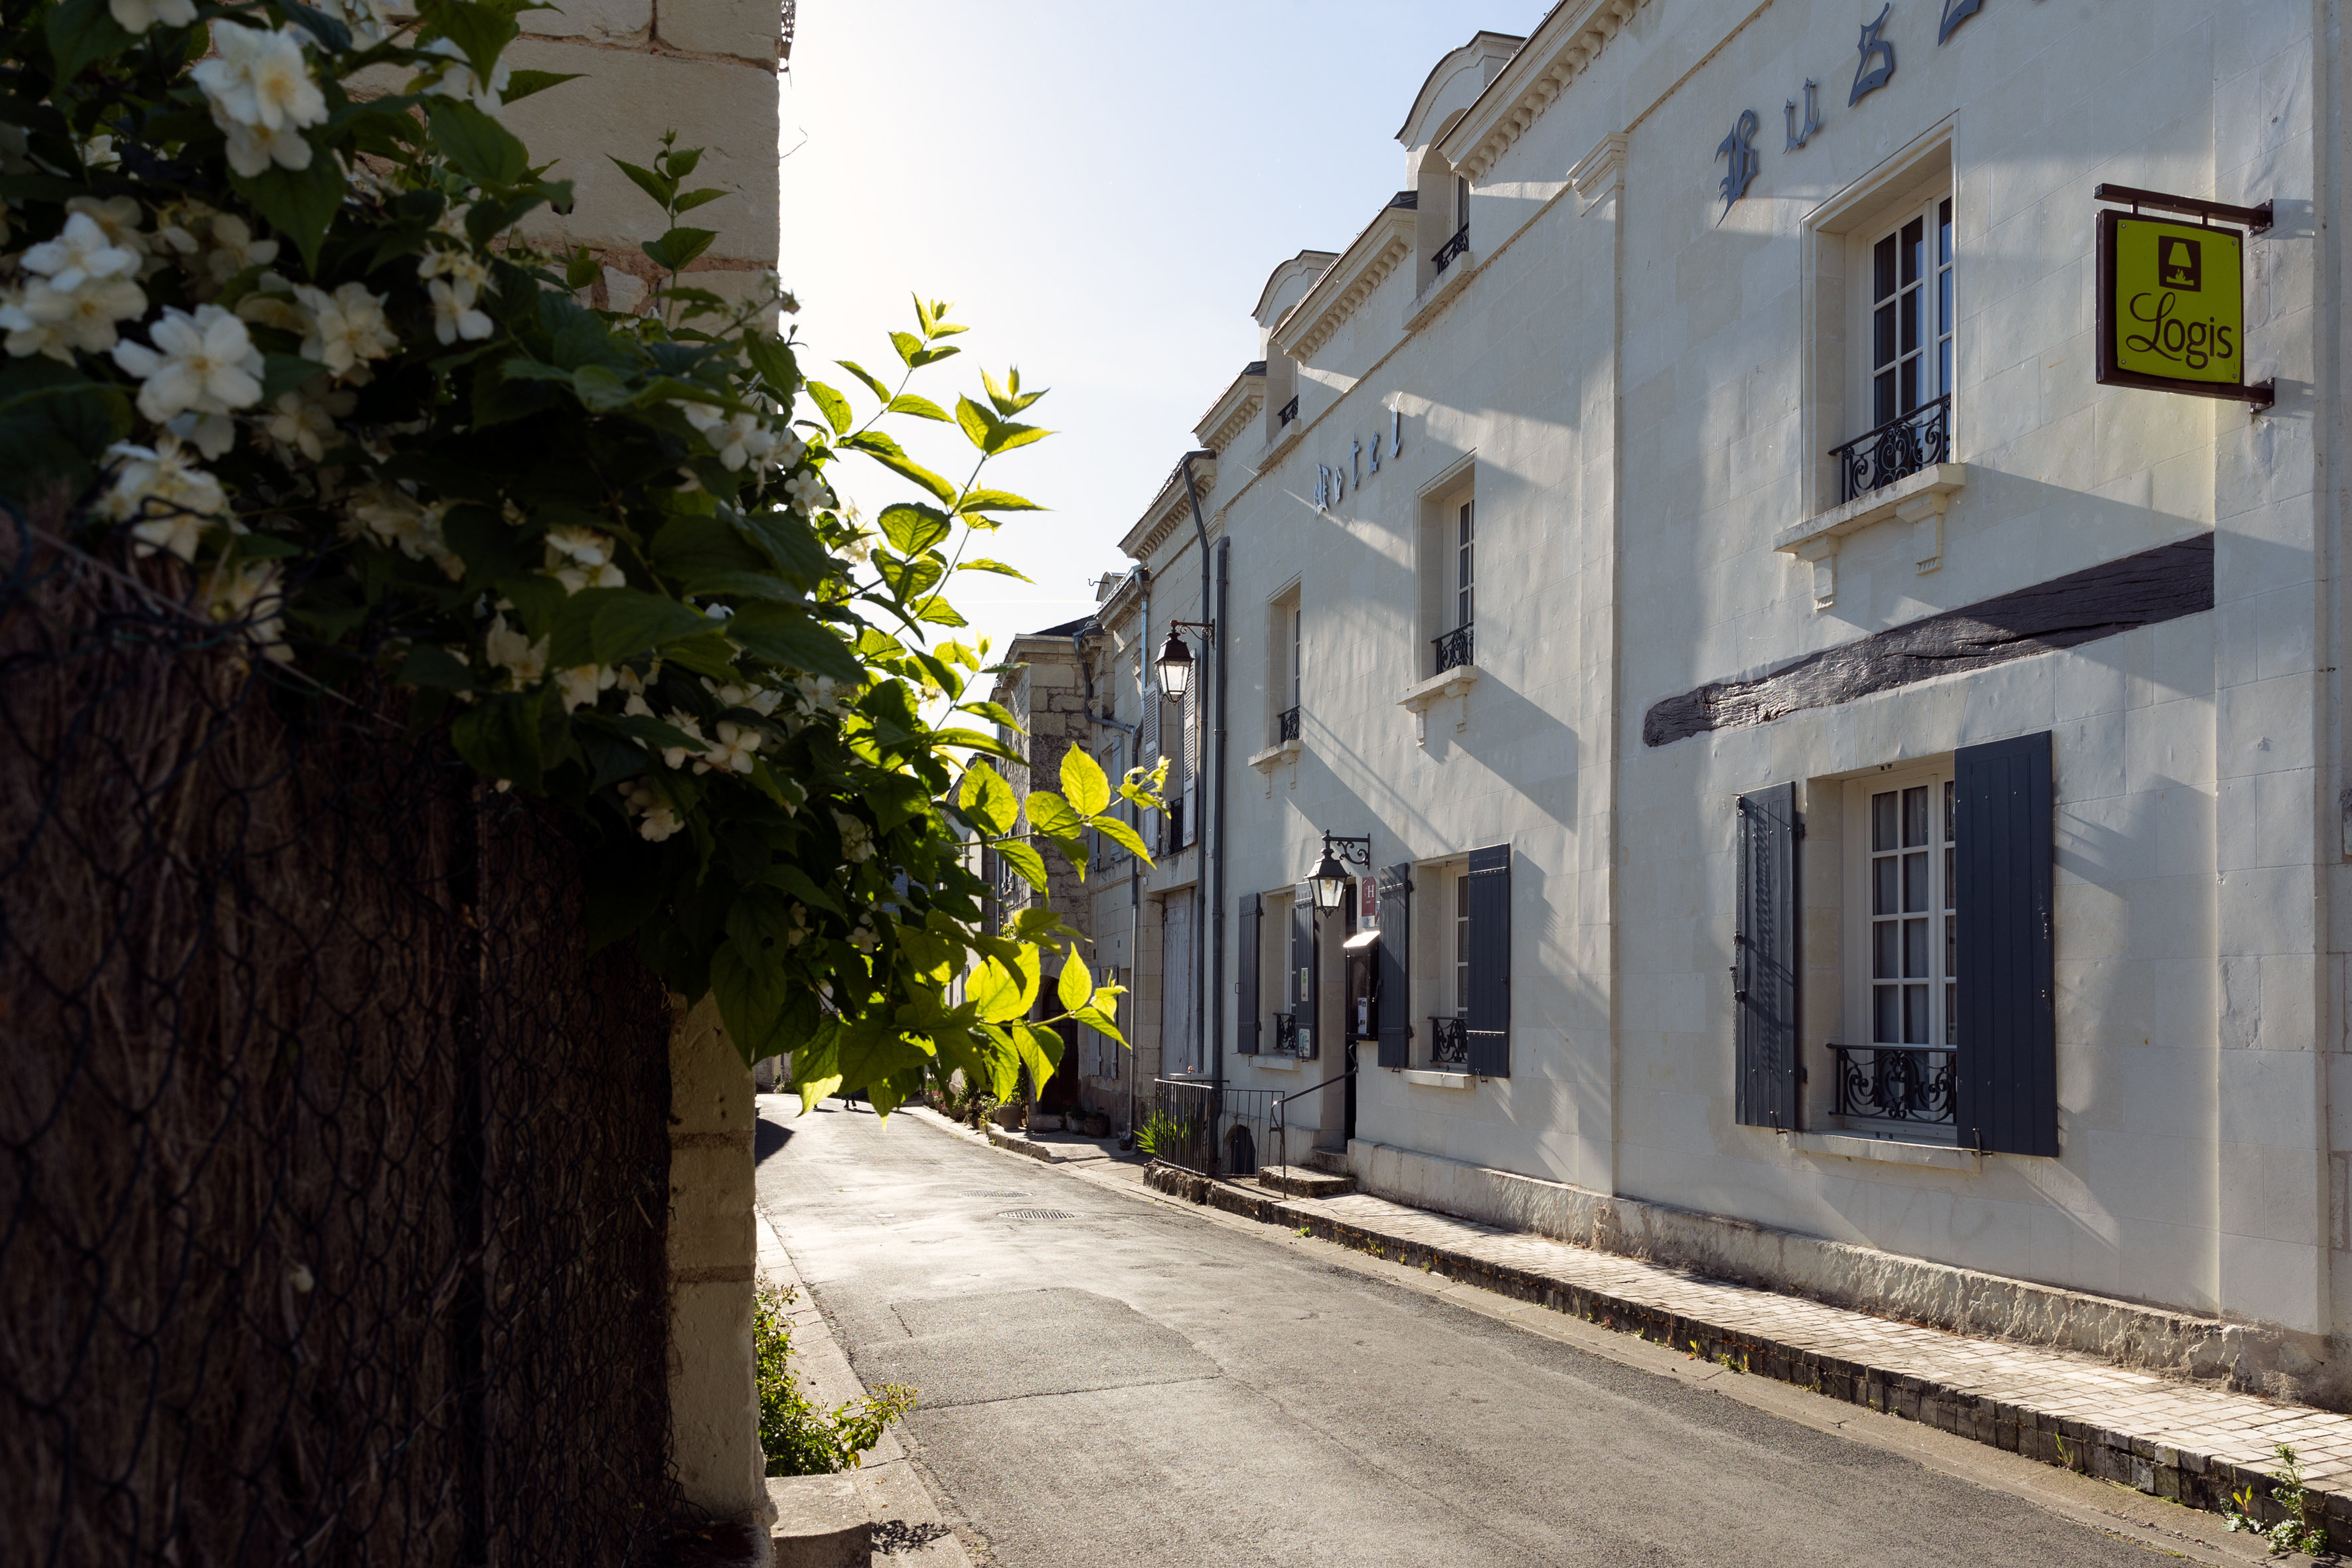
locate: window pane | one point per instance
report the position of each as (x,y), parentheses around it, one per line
(1914,884)
(1914,239)
(1943,370)
(1882,821)
(1886,1024)
(1915,816)
(1951,1015)
(1881,269)
(1948,834)
(1883,960)
(1944,231)
(1914,949)
(1914,1015)
(1882,407)
(1882,336)
(1911,321)
(1952,946)
(1883,900)
(1944,302)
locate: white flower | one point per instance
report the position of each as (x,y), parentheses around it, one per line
(741,439)
(98,153)
(807,492)
(304,420)
(393,519)
(790,448)
(514,652)
(42,319)
(346,327)
(660,817)
(138,16)
(636,706)
(457,80)
(856,839)
(174,501)
(581,558)
(252,594)
(454,315)
(234,248)
(456,264)
(580,684)
(733,752)
(260,89)
(205,363)
(860,549)
(118,217)
(212,434)
(676,756)
(369,20)
(760,699)
(82,251)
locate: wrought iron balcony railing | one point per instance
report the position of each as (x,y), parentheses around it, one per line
(1289,1039)
(1288,412)
(1896,1083)
(1458,246)
(1449,1042)
(1896,449)
(1285,725)
(1453,649)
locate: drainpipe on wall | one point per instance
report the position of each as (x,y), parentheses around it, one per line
(1148,689)
(1209,896)
(1217,992)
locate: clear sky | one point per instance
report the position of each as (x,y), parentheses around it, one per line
(1101,187)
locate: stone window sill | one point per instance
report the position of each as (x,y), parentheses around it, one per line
(1918,499)
(1274,1062)
(1286,751)
(1423,695)
(1281,442)
(1845,1145)
(1429,1078)
(1442,291)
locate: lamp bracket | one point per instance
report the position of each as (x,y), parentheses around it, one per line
(1208,629)
(1354,850)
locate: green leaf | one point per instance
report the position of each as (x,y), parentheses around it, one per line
(987,799)
(797,882)
(1084,785)
(482,31)
(678,247)
(478,144)
(693,199)
(994,992)
(786,636)
(936,611)
(983,563)
(1099,1020)
(772,358)
(655,185)
(499,738)
(331,33)
(994,501)
(299,203)
(81,33)
(920,408)
(433,667)
(283,373)
(605,625)
(977,423)
(835,407)
(55,426)
(886,451)
(705,557)
(873,383)
(1076,987)
(1050,814)
(912,528)
(1041,1052)
(601,389)
(522,84)
(1024,860)
(1007,396)
(1120,834)
(1009,435)
(791,544)
(910,347)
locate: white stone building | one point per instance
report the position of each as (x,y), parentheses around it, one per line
(1854,791)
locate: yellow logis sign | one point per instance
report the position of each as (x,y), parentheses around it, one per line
(2178,302)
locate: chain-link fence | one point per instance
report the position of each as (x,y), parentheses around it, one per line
(333,1169)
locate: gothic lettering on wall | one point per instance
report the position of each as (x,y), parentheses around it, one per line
(1869,77)
(1740,148)
(1800,134)
(1955,13)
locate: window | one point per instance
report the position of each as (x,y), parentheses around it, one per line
(1461,946)
(1285,666)
(1899,405)
(1449,573)
(1465,577)
(1914,927)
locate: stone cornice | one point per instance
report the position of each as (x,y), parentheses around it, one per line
(1364,267)
(1234,409)
(1568,42)
(1169,509)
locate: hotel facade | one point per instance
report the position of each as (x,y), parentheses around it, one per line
(1793,568)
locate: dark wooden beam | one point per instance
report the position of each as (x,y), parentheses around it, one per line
(2160,584)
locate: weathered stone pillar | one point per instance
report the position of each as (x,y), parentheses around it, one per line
(713,1246)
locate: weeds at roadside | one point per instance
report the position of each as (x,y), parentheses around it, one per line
(798,1438)
(2292,1533)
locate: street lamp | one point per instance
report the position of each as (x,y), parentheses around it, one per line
(1175,667)
(1330,875)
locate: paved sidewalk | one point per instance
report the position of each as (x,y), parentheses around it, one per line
(2191,1442)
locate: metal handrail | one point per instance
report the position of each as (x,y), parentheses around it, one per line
(1285,725)
(1453,648)
(1281,1122)
(1458,246)
(1449,1041)
(1902,1083)
(1896,450)
(1288,412)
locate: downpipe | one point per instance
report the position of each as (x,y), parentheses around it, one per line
(1209,893)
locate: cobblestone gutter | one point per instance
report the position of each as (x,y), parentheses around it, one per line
(2192,1444)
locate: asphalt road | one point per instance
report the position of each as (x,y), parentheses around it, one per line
(1130,1382)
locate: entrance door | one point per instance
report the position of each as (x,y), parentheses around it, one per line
(1180,1045)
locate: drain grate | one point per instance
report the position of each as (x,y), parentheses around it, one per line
(1034,1214)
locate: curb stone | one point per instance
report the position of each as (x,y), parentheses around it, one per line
(2167,1471)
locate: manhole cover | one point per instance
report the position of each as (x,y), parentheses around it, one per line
(1033,1214)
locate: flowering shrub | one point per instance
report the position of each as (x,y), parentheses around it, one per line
(277,344)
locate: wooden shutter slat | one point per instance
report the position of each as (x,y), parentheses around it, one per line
(1487,1029)
(1764,970)
(2006,1059)
(1245,1024)
(1394,996)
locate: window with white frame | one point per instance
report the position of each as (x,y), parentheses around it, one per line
(1902,921)
(1285,666)
(1449,574)
(1900,276)
(1465,564)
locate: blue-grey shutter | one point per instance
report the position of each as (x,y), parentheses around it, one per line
(1245,1005)
(2006,1059)
(1487,1029)
(1764,970)
(1394,997)
(1302,985)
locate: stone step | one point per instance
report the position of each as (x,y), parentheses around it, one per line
(1298,1182)
(1335,1161)
(821,1522)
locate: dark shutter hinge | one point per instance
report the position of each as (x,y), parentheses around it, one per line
(1801,827)
(1803,1076)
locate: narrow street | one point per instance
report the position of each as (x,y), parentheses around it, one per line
(1109,1380)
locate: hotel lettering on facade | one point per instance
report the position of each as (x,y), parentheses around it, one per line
(1802,537)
